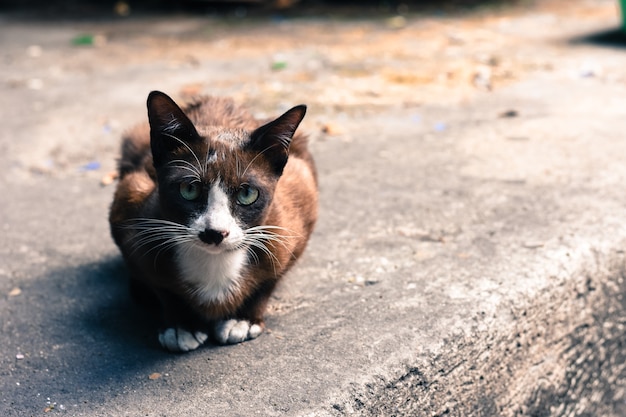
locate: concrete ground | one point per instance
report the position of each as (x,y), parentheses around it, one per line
(469,258)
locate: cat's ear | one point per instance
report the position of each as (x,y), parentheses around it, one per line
(273,139)
(170,128)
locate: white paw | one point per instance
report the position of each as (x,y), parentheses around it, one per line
(236,331)
(181,340)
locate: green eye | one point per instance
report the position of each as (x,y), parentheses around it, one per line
(247,195)
(190,190)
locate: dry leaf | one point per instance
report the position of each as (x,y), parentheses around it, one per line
(154,376)
(331,129)
(109,178)
(15,292)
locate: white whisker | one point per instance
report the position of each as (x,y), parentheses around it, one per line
(263,238)
(253,254)
(238,168)
(255,157)
(195,173)
(270,228)
(186,146)
(263,248)
(157,235)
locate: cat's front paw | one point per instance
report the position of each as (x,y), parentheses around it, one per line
(181,340)
(228,332)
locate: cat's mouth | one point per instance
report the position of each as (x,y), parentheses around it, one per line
(215,250)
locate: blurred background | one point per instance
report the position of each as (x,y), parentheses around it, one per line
(125,7)
(344,58)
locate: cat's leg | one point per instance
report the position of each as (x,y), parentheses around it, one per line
(173,336)
(182,331)
(248,323)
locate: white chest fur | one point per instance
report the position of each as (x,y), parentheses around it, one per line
(213,277)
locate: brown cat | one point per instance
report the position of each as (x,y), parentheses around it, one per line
(210,211)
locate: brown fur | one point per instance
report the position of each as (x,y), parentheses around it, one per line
(139,194)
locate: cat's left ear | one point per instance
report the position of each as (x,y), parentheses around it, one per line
(273,139)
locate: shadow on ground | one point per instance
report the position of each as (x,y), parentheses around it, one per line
(77,335)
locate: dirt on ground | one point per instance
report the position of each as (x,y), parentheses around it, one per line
(337,61)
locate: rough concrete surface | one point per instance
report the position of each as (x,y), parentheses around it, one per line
(469,258)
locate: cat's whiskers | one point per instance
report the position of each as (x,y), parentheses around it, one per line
(182,164)
(162,235)
(168,237)
(268,232)
(259,244)
(186,146)
(151,231)
(262,237)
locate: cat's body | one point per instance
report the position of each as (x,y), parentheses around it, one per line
(210,211)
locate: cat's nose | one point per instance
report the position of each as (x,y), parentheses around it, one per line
(212,236)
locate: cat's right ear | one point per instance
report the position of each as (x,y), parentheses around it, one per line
(170,128)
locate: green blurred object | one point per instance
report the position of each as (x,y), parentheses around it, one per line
(622,4)
(83,40)
(281,65)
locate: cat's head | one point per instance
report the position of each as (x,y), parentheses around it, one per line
(217,181)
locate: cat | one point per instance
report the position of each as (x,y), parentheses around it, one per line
(211,209)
